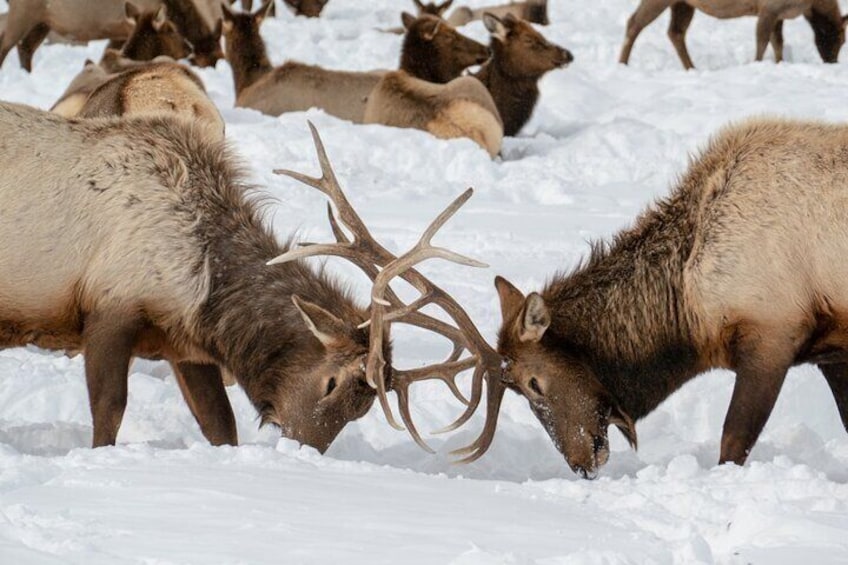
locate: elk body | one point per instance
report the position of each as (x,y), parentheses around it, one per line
(823,15)
(155,88)
(308,8)
(520,57)
(431,50)
(742,267)
(533,11)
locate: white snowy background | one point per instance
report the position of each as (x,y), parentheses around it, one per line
(604,142)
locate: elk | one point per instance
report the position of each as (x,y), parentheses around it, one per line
(432,50)
(520,57)
(155,88)
(153,35)
(533,11)
(140,237)
(308,8)
(738,268)
(89,78)
(29,22)
(823,16)
(433,8)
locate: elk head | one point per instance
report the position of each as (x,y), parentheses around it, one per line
(153,35)
(521,50)
(563,391)
(433,45)
(432,8)
(356,365)
(206,50)
(829,32)
(308,8)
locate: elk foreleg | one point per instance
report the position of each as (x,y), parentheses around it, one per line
(766,23)
(836,376)
(203,390)
(681,17)
(19,23)
(777,41)
(648,11)
(30,43)
(760,372)
(108,347)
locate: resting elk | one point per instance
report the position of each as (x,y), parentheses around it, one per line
(520,57)
(533,11)
(741,267)
(308,8)
(139,237)
(823,15)
(432,50)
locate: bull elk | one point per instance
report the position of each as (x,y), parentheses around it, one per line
(742,267)
(823,16)
(431,50)
(139,237)
(520,57)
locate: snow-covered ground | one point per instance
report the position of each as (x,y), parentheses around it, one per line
(605,140)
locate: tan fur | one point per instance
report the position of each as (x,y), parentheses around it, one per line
(154,89)
(770,14)
(522,10)
(461,108)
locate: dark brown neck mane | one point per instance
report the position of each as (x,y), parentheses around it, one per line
(515,96)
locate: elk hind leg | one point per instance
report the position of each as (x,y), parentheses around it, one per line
(203,390)
(766,22)
(681,17)
(108,347)
(836,375)
(647,12)
(777,41)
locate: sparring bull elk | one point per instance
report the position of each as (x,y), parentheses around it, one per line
(139,237)
(823,16)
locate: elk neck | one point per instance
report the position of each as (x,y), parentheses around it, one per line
(247,56)
(514,96)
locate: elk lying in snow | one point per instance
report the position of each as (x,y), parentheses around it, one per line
(29,22)
(308,8)
(520,57)
(138,237)
(742,267)
(155,88)
(823,15)
(432,50)
(533,11)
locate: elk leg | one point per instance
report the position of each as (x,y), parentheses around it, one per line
(681,17)
(765,26)
(30,43)
(204,393)
(108,347)
(760,372)
(836,376)
(648,11)
(777,41)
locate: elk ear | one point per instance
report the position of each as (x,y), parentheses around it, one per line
(495,26)
(264,11)
(161,18)
(534,319)
(625,424)
(407,19)
(511,298)
(131,10)
(845,20)
(227,14)
(329,330)
(444,7)
(418,5)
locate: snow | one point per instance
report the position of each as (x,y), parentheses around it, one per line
(604,141)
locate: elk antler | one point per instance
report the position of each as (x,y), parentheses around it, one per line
(387,308)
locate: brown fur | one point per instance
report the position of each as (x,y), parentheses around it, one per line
(154,89)
(741,267)
(520,57)
(153,35)
(824,17)
(533,11)
(137,237)
(308,8)
(432,50)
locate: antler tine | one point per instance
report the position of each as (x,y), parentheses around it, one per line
(476,450)
(402,392)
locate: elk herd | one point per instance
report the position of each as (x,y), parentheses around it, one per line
(157,249)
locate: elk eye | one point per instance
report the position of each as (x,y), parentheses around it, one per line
(331,386)
(534,386)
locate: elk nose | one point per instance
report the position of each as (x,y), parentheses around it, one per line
(565,56)
(589,475)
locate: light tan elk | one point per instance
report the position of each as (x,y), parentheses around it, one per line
(308,8)
(461,108)
(823,15)
(29,22)
(431,50)
(533,11)
(155,88)
(520,57)
(742,267)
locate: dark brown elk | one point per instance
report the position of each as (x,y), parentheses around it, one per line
(533,11)
(155,88)
(742,267)
(432,50)
(29,22)
(823,15)
(520,57)
(153,35)
(140,237)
